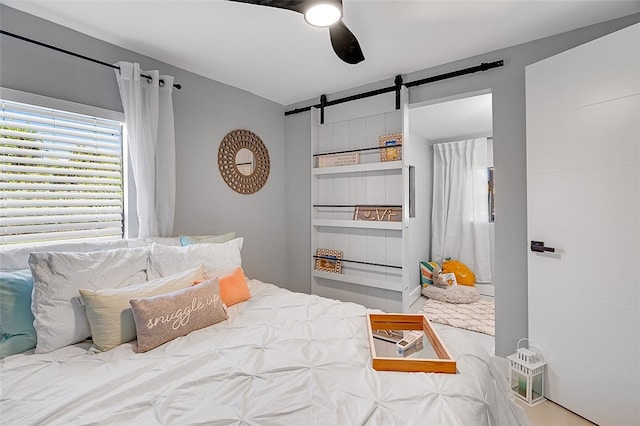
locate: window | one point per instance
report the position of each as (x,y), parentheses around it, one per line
(61,175)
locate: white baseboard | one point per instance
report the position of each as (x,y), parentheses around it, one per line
(415,293)
(486,289)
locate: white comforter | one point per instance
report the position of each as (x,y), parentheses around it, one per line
(282,358)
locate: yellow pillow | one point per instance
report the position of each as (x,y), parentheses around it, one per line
(234,288)
(464,275)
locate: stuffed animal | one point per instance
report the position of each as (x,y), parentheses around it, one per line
(464,275)
(440,279)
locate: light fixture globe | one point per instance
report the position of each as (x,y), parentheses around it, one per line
(323,14)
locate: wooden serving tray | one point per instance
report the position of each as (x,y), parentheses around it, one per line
(440,362)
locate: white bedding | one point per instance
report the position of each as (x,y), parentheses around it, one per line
(282,358)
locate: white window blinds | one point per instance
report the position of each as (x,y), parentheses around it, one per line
(61,175)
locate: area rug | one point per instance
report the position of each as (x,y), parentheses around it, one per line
(478,316)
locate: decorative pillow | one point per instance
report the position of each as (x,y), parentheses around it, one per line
(234,288)
(449,278)
(16,319)
(464,275)
(109,311)
(426,272)
(60,319)
(18,258)
(162,318)
(186,240)
(217,259)
(453,294)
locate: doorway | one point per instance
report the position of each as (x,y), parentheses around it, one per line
(463,117)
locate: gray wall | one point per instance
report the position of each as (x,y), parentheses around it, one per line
(205,111)
(508,89)
(298,201)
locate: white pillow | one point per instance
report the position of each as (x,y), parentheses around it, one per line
(60,320)
(148,241)
(217,259)
(18,258)
(109,311)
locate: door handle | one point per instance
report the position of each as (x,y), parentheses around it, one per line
(538,247)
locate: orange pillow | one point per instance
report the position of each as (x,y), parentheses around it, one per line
(464,275)
(233,287)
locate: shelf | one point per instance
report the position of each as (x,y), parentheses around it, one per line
(367,167)
(354,279)
(359,184)
(364,224)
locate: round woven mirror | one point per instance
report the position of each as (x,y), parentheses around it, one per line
(243,161)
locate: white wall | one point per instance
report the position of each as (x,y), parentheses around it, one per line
(424,189)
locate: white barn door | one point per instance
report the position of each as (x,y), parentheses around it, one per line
(583,199)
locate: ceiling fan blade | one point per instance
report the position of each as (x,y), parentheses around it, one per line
(345,43)
(295,5)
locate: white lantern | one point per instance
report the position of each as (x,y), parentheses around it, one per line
(526,375)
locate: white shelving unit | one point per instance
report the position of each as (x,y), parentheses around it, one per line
(380,267)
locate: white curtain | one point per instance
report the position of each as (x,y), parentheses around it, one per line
(460,216)
(148,110)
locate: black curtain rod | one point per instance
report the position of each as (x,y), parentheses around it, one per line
(325,103)
(77,55)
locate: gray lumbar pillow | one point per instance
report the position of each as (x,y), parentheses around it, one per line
(164,317)
(452,294)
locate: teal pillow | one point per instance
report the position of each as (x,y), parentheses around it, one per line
(16,320)
(186,240)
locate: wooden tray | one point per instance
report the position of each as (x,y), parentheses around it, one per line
(441,362)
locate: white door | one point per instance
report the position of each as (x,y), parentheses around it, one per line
(583,199)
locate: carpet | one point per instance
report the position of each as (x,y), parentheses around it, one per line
(478,316)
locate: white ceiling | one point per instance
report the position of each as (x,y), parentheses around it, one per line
(273,53)
(456,119)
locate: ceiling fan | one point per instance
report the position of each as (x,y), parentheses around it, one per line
(322,13)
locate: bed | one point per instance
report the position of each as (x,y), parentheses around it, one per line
(281,358)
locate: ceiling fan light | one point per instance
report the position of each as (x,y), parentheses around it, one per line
(323,14)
